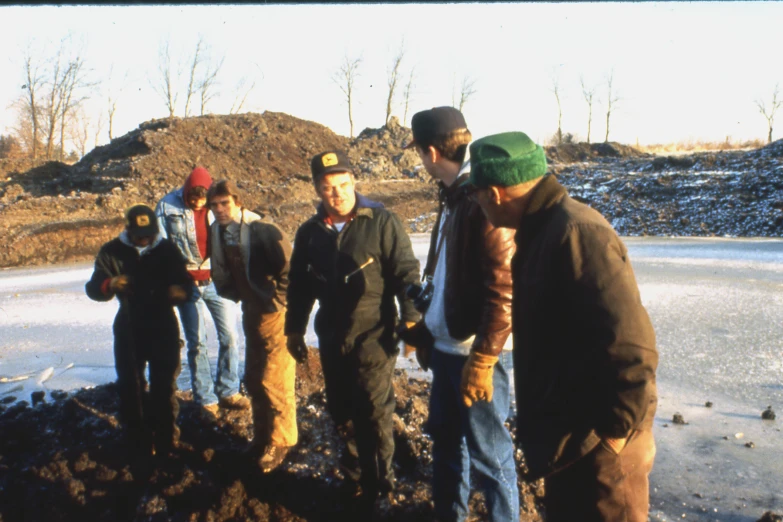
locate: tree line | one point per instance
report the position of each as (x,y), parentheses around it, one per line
(56,83)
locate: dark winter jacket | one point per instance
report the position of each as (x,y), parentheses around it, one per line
(478,271)
(584,346)
(355,275)
(146,308)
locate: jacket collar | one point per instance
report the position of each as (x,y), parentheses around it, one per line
(547,193)
(450,195)
(126,240)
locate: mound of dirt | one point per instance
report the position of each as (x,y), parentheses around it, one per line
(64,460)
(57,213)
(578,152)
(267,155)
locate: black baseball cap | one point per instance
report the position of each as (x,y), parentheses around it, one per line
(140,221)
(433,123)
(330,162)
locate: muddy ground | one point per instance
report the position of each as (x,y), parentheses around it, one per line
(63,460)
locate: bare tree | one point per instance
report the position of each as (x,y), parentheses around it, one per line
(80,133)
(345,78)
(29,103)
(98,130)
(768,111)
(556,91)
(242,92)
(407,94)
(164,83)
(54,98)
(193,69)
(73,93)
(206,86)
(611,100)
(114,91)
(393,78)
(588,93)
(467,91)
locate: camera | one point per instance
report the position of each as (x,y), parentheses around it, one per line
(420,294)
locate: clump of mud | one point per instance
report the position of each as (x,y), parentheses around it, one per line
(65,460)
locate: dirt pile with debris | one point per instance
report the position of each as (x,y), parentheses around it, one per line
(725,193)
(56,213)
(64,460)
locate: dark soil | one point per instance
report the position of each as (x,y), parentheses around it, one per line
(64,460)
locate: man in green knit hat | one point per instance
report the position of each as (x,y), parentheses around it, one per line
(584,346)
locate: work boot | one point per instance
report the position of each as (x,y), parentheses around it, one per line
(209,412)
(273,456)
(235,402)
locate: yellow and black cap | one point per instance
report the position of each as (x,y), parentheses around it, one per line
(330,162)
(140,221)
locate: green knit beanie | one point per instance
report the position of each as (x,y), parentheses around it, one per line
(505,160)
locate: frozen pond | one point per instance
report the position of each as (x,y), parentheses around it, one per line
(717,307)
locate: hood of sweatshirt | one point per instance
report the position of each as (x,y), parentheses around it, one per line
(198,178)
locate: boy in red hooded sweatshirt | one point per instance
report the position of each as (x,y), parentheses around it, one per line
(184,218)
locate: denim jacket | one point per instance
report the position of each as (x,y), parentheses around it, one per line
(175,221)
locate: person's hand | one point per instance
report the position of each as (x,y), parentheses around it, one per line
(297,347)
(120,284)
(476,382)
(177,294)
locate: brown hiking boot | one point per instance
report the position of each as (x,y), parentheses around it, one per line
(209,412)
(235,402)
(273,456)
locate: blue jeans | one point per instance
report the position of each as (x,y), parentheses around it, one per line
(476,436)
(193,315)
(507,361)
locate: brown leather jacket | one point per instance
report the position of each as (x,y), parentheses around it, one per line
(478,271)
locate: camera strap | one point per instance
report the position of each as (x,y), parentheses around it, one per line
(444,223)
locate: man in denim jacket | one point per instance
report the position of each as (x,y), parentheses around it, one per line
(184,218)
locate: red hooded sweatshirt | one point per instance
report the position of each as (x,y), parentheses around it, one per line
(199,178)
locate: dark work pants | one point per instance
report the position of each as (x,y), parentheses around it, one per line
(604,486)
(148,417)
(359,389)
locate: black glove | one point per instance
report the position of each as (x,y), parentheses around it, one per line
(297,347)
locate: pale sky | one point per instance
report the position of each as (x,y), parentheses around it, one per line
(682,71)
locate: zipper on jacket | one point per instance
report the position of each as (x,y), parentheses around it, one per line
(362,267)
(316,274)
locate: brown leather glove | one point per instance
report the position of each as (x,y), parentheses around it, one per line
(407,349)
(297,347)
(120,284)
(177,294)
(477,378)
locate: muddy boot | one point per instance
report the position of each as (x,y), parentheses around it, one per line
(235,402)
(349,454)
(272,458)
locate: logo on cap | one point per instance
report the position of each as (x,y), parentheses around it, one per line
(142,220)
(329,160)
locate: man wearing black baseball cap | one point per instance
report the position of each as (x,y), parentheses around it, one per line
(355,258)
(465,330)
(147,273)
